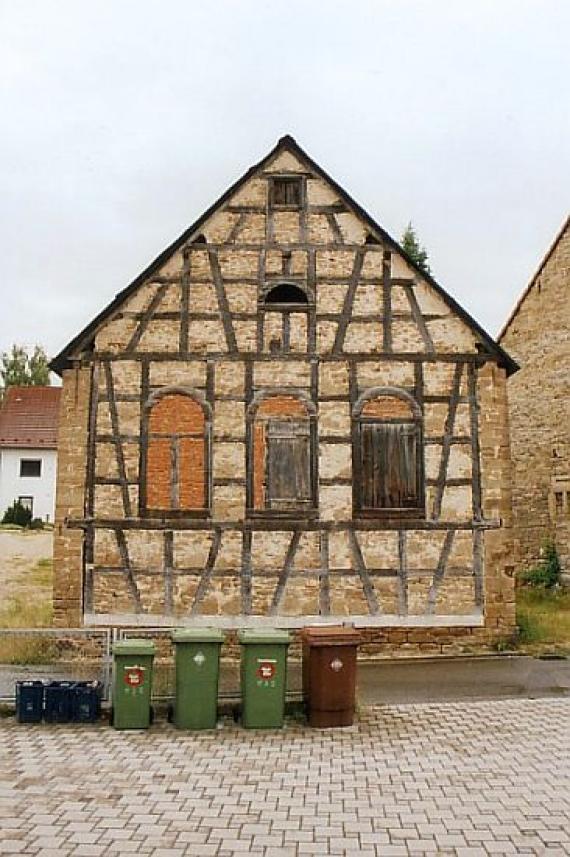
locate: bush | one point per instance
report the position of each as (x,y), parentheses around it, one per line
(17,514)
(546,574)
(36,524)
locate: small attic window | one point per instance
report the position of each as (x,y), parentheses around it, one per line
(286,293)
(371,239)
(199,239)
(285,192)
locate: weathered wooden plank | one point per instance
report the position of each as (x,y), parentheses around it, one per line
(236,228)
(126,561)
(402,573)
(222,300)
(387,301)
(335,228)
(475,448)
(367,585)
(478,566)
(448,434)
(148,314)
(439,572)
(246,572)
(117,439)
(206,578)
(349,301)
(168,568)
(324,579)
(284,575)
(419,319)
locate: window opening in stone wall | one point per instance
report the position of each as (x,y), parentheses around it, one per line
(30,467)
(559,498)
(286,192)
(176,455)
(388,456)
(283,451)
(286,293)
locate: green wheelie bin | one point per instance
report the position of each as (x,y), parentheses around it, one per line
(132,684)
(197,670)
(263,677)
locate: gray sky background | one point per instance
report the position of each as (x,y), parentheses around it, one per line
(123,120)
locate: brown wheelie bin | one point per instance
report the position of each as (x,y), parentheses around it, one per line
(329,674)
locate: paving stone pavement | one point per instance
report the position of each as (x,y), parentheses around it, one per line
(466,779)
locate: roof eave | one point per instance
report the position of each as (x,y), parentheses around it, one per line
(65,359)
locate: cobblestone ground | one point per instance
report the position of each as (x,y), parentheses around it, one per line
(464,779)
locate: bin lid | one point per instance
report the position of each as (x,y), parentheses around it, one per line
(198,635)
(331,635)
(264,635)
(134,646)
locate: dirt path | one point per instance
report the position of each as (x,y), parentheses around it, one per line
(19,554)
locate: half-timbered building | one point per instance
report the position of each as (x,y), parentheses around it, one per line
(283,420)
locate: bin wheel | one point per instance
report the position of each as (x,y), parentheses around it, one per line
(112,716)
(170,713)
(151,715)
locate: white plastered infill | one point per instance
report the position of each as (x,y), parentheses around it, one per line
(143,620)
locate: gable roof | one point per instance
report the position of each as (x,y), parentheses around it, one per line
(515,311)
(286,143)
(29,417)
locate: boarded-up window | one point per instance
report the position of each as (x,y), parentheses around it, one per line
(282,440)
(286,192)
(389,456)
(175,472)
(288,464)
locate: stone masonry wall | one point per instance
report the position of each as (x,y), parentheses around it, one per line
(539,395)
(68,544)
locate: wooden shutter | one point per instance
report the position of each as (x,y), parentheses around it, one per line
(288,465)
(389,466)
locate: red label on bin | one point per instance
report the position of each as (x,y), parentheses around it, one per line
(134,676)
(266,670)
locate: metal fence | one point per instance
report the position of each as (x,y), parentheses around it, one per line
(77,654)
(80,654)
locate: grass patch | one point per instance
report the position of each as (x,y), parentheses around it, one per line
(29,611)
(543,618)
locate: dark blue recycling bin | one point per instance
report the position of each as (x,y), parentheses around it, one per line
(29,701)
(86,701)
(58,701)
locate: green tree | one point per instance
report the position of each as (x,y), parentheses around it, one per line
(24,367)
(414,250)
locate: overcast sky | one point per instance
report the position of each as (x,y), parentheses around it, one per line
(121,121)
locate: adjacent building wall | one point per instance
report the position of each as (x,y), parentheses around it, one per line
(538,337)
(40,488)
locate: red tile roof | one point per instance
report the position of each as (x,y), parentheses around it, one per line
(29,417)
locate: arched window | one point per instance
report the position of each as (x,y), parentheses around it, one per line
(388,453)
(286,293)
(177,451)
(287,311)
(283,438)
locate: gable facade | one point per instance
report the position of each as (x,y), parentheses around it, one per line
(283,421)
(537,334)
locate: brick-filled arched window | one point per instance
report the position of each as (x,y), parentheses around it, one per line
(282,454)
(388,455)
(178,448)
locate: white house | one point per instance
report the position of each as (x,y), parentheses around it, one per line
(28,449)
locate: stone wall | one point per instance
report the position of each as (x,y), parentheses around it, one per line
(68,543)
(538,336)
